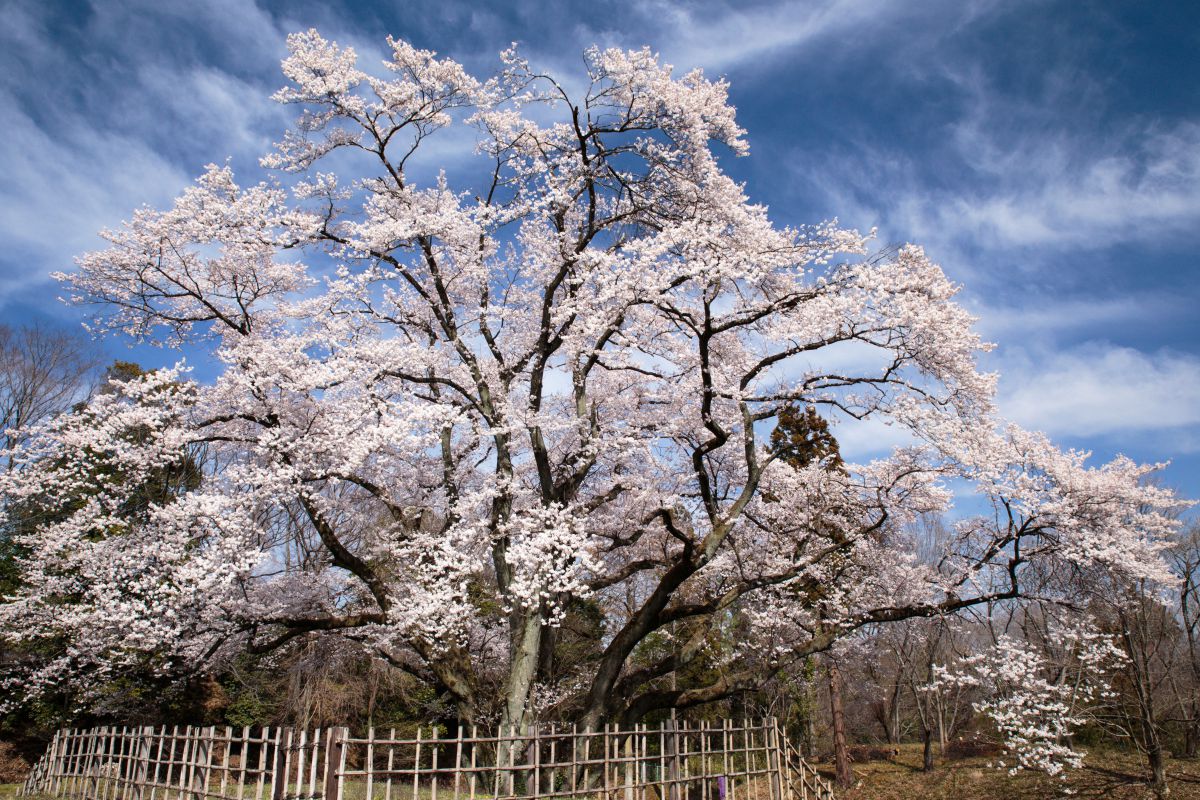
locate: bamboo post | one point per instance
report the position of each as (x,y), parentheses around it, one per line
(672,760)
(458,758)
(474,750)
(161,736)
(387,784)
(496,763)
(226,759)
(512,760)
(208,736)
(93,747)
(627,760)
(300,747)
(574,758)
(416,766)
(133,762)
(65,761)
(278,773)
(534,758)
(370,764)
(280,770)
(334,753)
(54,766)
(142,767)
(684,753)
(433,764)
(780,759)
(587,759)
(264,736)
(243,761)
(183,761)
(607,763)
(552,776)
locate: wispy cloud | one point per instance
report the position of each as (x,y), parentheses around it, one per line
(59,188)
(1097,389)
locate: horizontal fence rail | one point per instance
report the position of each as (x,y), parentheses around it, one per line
(701,761)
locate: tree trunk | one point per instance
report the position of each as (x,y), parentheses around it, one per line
(926,749)
(514,716)
(1158,769)
(841,756)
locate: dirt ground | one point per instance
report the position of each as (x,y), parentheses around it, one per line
(1106,773)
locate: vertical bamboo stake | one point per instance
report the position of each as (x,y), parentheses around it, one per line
(536,756)
(496,772)
(226,758)
(687,766)
(243,756)
(416,765)
(280,767)
(128,759)
(276,764)
(301,748)
(553,777)
(133,763)
(210,736)
(474,750)
(433,763)
(780,760)
(72,764)
(370,765)
(243,759)
(264,735)
(512,760)
(116,761)
(458,761)
(334,756)
(587,759)
(673,761)
(723,784)
(83,744)
(51,762)
(79,764)
(124,775)
(341,773)
(68,762)
(184,758)
(387,784)
(574,758)
(312,768)
(93,745)
(607,782)
(158,759)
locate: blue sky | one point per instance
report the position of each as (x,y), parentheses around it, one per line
(1047,154)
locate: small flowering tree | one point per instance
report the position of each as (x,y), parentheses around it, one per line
(447,418)
(1037,702)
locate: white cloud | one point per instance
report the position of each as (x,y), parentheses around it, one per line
(1042,317)
(58,189)
(1102,390)
(1052,191)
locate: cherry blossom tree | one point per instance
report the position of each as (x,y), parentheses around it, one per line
(1036,701)
(447,416)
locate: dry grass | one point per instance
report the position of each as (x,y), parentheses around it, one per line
(1107,774)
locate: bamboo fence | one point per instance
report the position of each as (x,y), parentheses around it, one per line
(729,760)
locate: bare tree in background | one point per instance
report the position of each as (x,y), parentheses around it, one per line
(1185,558)
(42,373)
